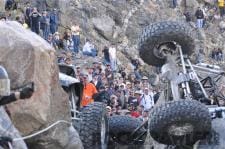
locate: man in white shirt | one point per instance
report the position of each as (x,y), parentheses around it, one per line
(147,99)
(89,49)
(112,56)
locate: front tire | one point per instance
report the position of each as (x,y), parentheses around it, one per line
(181,122)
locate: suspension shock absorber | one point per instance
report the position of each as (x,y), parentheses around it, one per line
(185,85)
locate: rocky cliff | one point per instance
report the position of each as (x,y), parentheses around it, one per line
(121,21)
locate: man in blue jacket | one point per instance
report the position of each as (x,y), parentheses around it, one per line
(54,21)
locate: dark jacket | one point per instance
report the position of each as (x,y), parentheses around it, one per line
(199,14)
(102,97)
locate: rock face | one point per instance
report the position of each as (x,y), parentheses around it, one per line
(104,26)
(2,5)
(27,57)
(121,21)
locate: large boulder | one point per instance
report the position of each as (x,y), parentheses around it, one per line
(104,26)
(27,57)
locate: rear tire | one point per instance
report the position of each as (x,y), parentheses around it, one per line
(164,32)
(181,122)
(93,128)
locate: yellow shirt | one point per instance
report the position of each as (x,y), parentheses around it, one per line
(221,3)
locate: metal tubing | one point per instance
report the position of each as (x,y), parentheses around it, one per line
(184,70)
(199,82)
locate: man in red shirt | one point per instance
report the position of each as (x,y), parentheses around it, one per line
(88,92)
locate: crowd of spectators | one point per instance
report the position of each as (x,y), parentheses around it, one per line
(123,93)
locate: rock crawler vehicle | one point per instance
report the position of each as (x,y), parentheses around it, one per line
(189,109)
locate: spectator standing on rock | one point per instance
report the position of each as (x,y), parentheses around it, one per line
(27,12)
(200,17)
(45,24)
(54,21)
(174,3)
(35,20)
(10,4)
(221,5)
(76,38)
(106,55)
(113,58)
(187,16)
(220,54)
(214,54)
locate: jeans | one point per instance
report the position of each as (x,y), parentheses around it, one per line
(35,28)
(222,11)
(200,23)
(46,32)
(174,3)
(106,61)
(53,28)
(113,64)
(76,43)
(93,53)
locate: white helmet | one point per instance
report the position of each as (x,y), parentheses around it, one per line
(4,82)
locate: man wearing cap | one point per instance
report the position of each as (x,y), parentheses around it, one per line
(145,82)
(147,99)
(136,100)
(88,92)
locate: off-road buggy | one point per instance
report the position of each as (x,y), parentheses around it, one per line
(191,97)
(91,121)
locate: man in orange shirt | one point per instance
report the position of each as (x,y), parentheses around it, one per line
(88,92)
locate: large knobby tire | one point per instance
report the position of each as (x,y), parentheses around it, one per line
(121,127)
(93,127)
(180,122)
(159,33)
